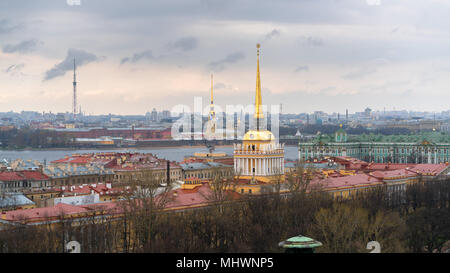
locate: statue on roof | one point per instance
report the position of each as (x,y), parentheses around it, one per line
(341,134)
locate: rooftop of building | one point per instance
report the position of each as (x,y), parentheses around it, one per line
(393,174)
(311,165)
(203,165)
(98,188)
(388,166)
(177,199)
(118,160)
(110,129)
(367,174)
(29,175)
(356,180)
(198,196)
(42,213)
(14,199)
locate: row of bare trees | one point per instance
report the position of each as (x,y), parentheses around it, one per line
(417,222)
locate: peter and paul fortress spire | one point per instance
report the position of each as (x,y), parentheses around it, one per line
(212,114)
(212,99)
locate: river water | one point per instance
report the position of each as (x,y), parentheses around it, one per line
(170,153)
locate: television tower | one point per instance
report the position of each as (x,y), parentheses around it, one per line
(74,90)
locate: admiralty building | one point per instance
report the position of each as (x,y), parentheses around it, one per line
(433,147)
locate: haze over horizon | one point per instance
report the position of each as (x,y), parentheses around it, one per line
(138,55)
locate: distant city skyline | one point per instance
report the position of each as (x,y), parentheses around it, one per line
(135,56)
(164,113)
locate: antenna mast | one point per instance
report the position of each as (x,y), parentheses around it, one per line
(74,90)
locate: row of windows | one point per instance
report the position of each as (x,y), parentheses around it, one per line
(134,175)
(365,151)
(22,184)
(42,196)
(85,180)
(207,175)
(379,150)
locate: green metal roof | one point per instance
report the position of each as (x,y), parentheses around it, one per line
(300,242)
(436,137)
(433,137)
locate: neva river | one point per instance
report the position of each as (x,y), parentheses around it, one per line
(171,153)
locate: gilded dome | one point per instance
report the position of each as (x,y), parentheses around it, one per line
(253,135)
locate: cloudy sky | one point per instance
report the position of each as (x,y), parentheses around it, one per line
(134,56)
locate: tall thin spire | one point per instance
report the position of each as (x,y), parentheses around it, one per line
(212,114)
(258,100)
(74,90)
(212,100)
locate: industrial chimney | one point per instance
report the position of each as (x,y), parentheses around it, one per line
(168,172)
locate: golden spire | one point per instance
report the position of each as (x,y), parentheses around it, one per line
(212,90)
(212,114)
(258,100)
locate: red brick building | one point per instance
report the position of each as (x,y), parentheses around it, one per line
(133,133)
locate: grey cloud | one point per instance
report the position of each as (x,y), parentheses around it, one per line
(22,47)
(229,59)
(147,54)
(14,69)
(274,33)
(81,57)
(186,43)
(6,26)
(318,11)
(302,68)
